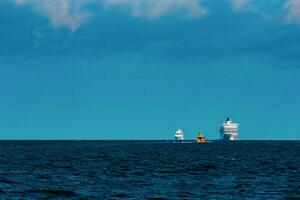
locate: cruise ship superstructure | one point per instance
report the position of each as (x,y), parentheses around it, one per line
(179,135)
(229,130)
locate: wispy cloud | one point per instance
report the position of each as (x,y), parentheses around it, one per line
(250,6)
(156,8)
(60,12)
(293,11)
(71,13)
(242,5)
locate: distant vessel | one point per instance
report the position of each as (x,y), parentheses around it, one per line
(229,130)
(200,138)
(179,135)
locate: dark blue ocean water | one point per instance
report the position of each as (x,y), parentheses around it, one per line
(149,170)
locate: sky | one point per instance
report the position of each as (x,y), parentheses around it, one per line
(141,69)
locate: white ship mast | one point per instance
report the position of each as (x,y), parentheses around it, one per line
(229,130)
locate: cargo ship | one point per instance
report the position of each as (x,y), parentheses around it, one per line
(229,130)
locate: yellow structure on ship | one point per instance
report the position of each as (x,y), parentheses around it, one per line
(200,138)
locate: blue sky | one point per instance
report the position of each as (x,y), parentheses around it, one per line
(140,69)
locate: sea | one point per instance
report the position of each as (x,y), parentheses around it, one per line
(149,170)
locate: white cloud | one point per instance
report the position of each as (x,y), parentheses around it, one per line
(70,13)
(293,11)
(243,5)
(60,12)
(250,6)
(156,8)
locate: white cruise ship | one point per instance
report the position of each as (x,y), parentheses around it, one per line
(229,130)
(179,135)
